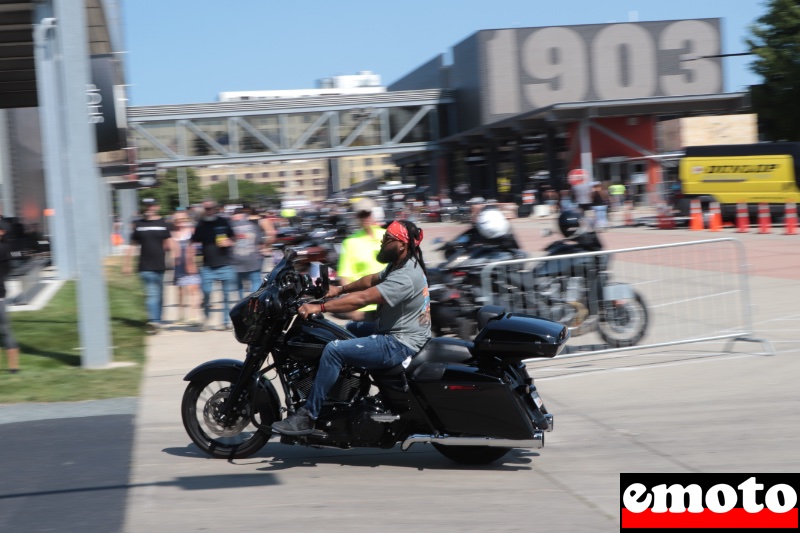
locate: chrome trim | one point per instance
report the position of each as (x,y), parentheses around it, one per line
(536,442)
(550,422)
(385,418)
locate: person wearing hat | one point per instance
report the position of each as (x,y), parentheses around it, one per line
(359,253)
(401,330)
(152,237)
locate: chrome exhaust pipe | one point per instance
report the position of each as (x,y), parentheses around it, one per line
(536,442)
(550,422)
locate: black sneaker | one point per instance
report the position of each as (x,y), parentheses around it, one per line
(299,423)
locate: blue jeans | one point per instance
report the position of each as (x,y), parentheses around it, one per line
(254,279)
(153,294)
(372,352)
(227,276)
(601,216)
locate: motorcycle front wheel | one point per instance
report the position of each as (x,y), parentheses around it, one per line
(201,409)
(623,324)
(471,455)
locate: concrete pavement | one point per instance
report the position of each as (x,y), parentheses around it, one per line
(689,408)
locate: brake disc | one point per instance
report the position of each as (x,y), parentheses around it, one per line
(212,414)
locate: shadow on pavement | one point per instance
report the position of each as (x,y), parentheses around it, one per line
(282,457)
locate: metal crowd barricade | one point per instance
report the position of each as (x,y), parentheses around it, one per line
(693,292)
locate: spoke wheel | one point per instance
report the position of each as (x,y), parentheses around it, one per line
(201,409)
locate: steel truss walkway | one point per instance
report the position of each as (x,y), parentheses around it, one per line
(285,129)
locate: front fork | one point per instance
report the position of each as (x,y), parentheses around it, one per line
(228,415)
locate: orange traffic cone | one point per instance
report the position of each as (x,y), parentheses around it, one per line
(764,219)
(790,218)
(742,218)
(696,217)
(715,224)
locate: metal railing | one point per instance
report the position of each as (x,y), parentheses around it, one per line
(692,292)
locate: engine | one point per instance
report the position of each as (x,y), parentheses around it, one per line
(562,299)
(300,377)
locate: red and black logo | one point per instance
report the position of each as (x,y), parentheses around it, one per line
(700,502)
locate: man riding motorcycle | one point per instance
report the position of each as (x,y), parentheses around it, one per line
(402,328)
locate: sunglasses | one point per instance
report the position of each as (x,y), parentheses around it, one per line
(388,238)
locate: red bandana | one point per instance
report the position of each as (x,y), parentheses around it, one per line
(399,232)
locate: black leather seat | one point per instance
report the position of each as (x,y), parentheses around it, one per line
(443,350)
(436,350)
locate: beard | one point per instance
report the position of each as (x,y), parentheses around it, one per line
(386,256)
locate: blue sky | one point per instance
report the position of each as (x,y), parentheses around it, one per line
(188,51)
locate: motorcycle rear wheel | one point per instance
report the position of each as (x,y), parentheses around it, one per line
(625,325)
(202,401)
(471,455)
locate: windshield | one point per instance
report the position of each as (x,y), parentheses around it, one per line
(287,263)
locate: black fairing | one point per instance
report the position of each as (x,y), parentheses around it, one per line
(249,315)
(514,336)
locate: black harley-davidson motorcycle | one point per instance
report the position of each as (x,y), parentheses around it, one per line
(474,401)
(578,292)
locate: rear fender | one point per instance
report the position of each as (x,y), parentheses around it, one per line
(236,365)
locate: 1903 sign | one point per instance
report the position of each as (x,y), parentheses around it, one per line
(530,68)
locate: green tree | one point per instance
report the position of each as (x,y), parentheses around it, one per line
(775,42)
(253,193)
(167,190)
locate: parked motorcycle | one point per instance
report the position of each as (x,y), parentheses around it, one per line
(474,401)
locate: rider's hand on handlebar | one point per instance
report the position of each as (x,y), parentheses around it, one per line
(308,309)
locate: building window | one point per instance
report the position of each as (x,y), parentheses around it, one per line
(214,178)
(248,176)
(387,160)
(316,171)
(370,174)
(282,173)
(265,174)
(368,162)
(319,182)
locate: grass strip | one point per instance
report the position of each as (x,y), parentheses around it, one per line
(50,357)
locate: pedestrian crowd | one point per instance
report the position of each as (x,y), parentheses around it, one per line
(593,199)
(201,249)
(197,250)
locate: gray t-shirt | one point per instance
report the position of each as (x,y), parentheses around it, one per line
(407,312)
(246,248)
